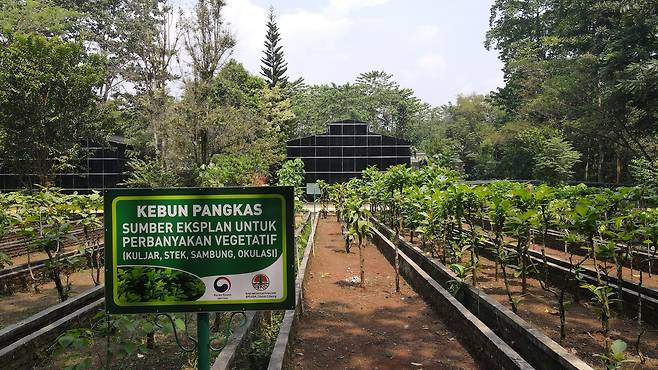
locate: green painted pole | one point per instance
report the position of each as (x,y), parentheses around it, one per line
(203,338)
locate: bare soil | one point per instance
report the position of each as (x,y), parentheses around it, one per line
(584,338)
(648,280)
(350,327)
(21,305)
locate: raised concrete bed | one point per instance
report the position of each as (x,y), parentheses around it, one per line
(241,338)
(555,240)
(557,268)
(281,356)
(480,340)
(19,278)
(20,342)
(529,342)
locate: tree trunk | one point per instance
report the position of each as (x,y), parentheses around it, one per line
(362,273)
(55,276)
(618,167)
(509,294)
(599,165)
(563,332)
(397,258)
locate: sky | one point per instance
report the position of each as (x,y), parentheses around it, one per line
(435,47)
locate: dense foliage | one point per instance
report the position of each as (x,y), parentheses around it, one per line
(606,227)
(587,68)
(46,219)
(580,98)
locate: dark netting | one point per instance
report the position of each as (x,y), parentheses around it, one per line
(102,167)
(346,149)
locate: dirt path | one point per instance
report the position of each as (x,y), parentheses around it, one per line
(347,327)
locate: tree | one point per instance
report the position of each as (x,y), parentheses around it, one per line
(277,108)
(48,103)
(232,119)
(586,67)
(231,170)
(555,160)
(274,66)
(292,173)
(39,17)
(207,41)
(374,98)
(149,173)
(389,108)
(467,131)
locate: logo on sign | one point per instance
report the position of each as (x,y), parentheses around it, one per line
(222,284)
(260,282)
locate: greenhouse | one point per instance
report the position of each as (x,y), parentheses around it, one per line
(346,149)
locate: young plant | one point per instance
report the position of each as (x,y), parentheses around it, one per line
(6,221)
(462,275)
(358,219)
(396,179)
(616,355)
(324,197)
(86,207)
(519,222)
(602,296)
(506,257)
(43,218)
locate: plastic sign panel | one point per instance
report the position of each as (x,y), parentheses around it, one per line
(312,188)
(190,250)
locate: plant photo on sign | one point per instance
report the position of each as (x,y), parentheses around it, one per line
(157,284)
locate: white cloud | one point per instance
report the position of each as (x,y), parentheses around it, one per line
(248,24)
(304,30)
(432,65)
(309,36)
(348,6)
(424,35)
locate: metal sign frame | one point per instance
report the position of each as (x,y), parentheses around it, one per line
(123,206)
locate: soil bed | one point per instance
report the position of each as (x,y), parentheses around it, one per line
(21,305)
(349,327)
(584,334)
(648,280)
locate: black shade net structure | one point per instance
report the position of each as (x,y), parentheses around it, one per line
(102,166)
(345,149)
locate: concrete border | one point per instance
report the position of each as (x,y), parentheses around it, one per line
(25,327)
(241,337)
(477,337)
(229,354)
(18,277)
(20,354)
(281,356)
(531,343)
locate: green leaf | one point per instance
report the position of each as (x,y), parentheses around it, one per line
(65,340)
(618,346)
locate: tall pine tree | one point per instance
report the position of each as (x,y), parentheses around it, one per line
(275,67)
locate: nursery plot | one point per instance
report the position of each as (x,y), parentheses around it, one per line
(345,326)
(21,305)
(584,337)
(630,275)
(166,355)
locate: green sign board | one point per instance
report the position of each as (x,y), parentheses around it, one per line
(199,250)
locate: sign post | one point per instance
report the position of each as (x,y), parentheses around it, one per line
(312,188)
(199,250)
